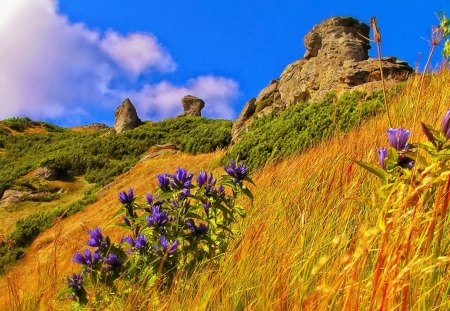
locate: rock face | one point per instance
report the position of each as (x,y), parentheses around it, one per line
(125,117)
(46,173)
(336,59)
(192,106)
(12,196)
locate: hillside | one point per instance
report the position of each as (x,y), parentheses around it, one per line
(310,230)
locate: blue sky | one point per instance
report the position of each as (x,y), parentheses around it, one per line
(73,62)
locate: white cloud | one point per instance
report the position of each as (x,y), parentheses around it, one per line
(137,52)
(164,99)
(52,68)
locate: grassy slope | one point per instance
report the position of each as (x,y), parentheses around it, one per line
(299,243)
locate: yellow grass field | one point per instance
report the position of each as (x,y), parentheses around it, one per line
(312,239)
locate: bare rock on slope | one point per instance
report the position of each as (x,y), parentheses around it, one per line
(336,59)
(125,117)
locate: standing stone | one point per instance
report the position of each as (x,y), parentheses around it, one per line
(125,117)
(192,106)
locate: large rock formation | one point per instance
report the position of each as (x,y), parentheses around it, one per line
(125,117)
(192,106)
(336,59)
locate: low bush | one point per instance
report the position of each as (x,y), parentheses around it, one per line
(281,134)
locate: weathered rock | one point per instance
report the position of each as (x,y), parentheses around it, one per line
(192,106)
(12,196)
(336,59)
(125,117)
(46,173)
(240,124)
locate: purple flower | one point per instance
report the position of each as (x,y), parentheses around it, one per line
(76,282)
(382,155)
(238,172)
(149,198)
(157,218)
(86,259)
(201,179)
(140,242)
(111,262)
(96,239)
(79,258)
(206,207)
(127,221)
(446,124)
(181,179)
(163,181)
(398,138)
(166,247)
(125,198)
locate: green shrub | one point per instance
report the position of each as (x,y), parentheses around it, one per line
(18,124)
(103,157)
(278,135)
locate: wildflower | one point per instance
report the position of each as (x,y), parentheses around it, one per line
(201,179)
(398,138)
(76,282)
(201,229)
(127,221)
(238,172)
(382,155)
(125,198)
(139,243)
(163,181)
(166,247)
(112,262)
(446,125)
(206,207)
(96,239)
(181,179)
(87,259)
(157,218)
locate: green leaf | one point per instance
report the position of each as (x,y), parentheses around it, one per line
(374,170)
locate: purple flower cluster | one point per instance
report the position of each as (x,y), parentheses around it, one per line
(76,282)
(87,259)
(97,239)
(238,172)
(157,218)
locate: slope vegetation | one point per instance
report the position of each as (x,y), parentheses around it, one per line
(310,240)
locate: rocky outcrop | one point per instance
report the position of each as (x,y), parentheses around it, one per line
(192,106)
(13,196)
(336,59)
(125,117)
(46,173)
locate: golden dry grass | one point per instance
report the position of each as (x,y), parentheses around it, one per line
(310,240)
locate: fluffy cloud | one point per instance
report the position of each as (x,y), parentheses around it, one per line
(163,99)
(52,68)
